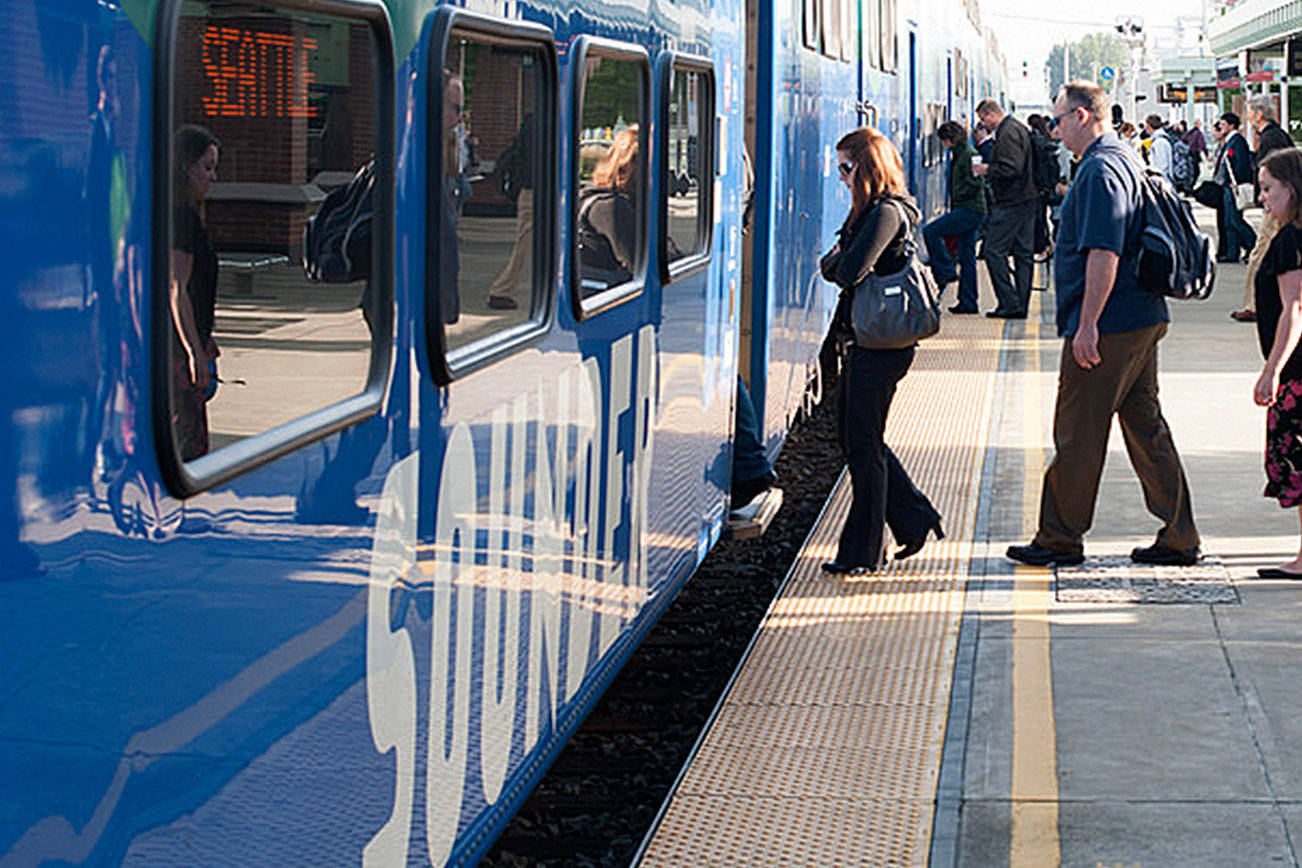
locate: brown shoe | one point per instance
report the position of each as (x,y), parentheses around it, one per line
(1244,315)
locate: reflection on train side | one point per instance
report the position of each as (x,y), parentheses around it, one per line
(256,340)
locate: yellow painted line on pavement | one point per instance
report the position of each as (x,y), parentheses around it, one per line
(1034,837)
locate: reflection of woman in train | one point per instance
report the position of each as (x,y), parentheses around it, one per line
(608,215)
(875,238)
(192,292)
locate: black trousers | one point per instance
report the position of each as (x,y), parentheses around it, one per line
(1011,232)
(883,493)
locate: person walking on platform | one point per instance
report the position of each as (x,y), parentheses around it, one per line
(1279,325)
(874,238)
(1011,228)
(1270,138)
(1161,158)
(966,215)
(1110,327)
(1233,167)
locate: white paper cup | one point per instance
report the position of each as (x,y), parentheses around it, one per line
(976,160)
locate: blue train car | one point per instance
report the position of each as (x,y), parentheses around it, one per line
(369,388)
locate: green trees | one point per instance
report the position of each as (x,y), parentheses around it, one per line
(1086,56)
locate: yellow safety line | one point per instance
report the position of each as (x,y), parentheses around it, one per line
(1035,740)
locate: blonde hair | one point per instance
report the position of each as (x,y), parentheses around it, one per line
(618,169)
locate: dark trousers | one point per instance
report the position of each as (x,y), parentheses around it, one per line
(883,493)
(963,224)
(748,459)
(1239,238)
(1124,384)
(1011,232)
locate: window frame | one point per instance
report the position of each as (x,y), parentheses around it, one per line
(674,62)
(889,31)
(184,479)
(831,27)
(448,366)
(620,294)
(811,24)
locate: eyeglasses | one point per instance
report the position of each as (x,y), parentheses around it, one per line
(845,168)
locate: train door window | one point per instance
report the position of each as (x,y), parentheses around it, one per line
(849,28)
(610,147)
(890,39)
(686,206)
(832,27)
(810,10)
(870,33)
(274,224)
(491,198)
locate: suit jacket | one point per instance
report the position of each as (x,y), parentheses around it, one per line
(1238,159)
(1010,175)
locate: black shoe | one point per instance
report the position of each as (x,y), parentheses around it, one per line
(748,489)
(1162,556)
(1227,259)
(502,302)
(958,308)
(838,568)
(1007,314)
(912,547)
(1038,556)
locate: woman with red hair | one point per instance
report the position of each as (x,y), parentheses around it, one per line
(876,237)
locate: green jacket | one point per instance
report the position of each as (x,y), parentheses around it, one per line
(965,189)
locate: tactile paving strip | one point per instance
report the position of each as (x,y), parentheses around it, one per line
(1117,579)
(826,749)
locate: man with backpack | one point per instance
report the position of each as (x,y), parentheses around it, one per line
(1111,326)
(1011,228)
(1270,138)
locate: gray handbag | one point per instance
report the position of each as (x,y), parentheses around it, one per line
(892,311)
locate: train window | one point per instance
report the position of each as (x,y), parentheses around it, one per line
(686,206)
(890,39)
(811,16)
(848,30)
(832,27)
(611,127)
(491,200)
(870,34)
(273,312)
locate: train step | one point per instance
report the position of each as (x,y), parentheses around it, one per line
(755,517)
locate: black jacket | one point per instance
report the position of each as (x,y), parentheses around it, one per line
(1271,138)
(876,241)
(1011,176)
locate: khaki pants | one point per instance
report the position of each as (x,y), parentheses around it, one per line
(1268,230)
(1124,384)
(506,282)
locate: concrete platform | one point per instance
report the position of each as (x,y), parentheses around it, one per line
(1109,716)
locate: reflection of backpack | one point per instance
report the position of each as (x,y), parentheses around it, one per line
(1175,257)
(337,238)
(1184,166)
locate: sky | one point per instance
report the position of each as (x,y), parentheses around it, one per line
(1027,29)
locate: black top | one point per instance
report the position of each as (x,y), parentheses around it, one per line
(876,241)
(608,234)
(1010,175)
(1284,255)
(193,239)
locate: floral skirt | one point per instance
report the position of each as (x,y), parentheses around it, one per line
(1284,445)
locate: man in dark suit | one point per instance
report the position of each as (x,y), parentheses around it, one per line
(1011,228)
(1261,114)
(1233,167)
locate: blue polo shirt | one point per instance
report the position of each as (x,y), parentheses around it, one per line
(1103,211)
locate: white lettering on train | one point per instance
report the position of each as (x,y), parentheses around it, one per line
(556,549)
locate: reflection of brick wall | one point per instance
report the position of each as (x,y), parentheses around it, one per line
(255,148)
(361,92)
(496,111)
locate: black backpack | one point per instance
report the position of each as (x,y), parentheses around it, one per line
(1175,256)
(337,238)
(1044,165)
(1184,165)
